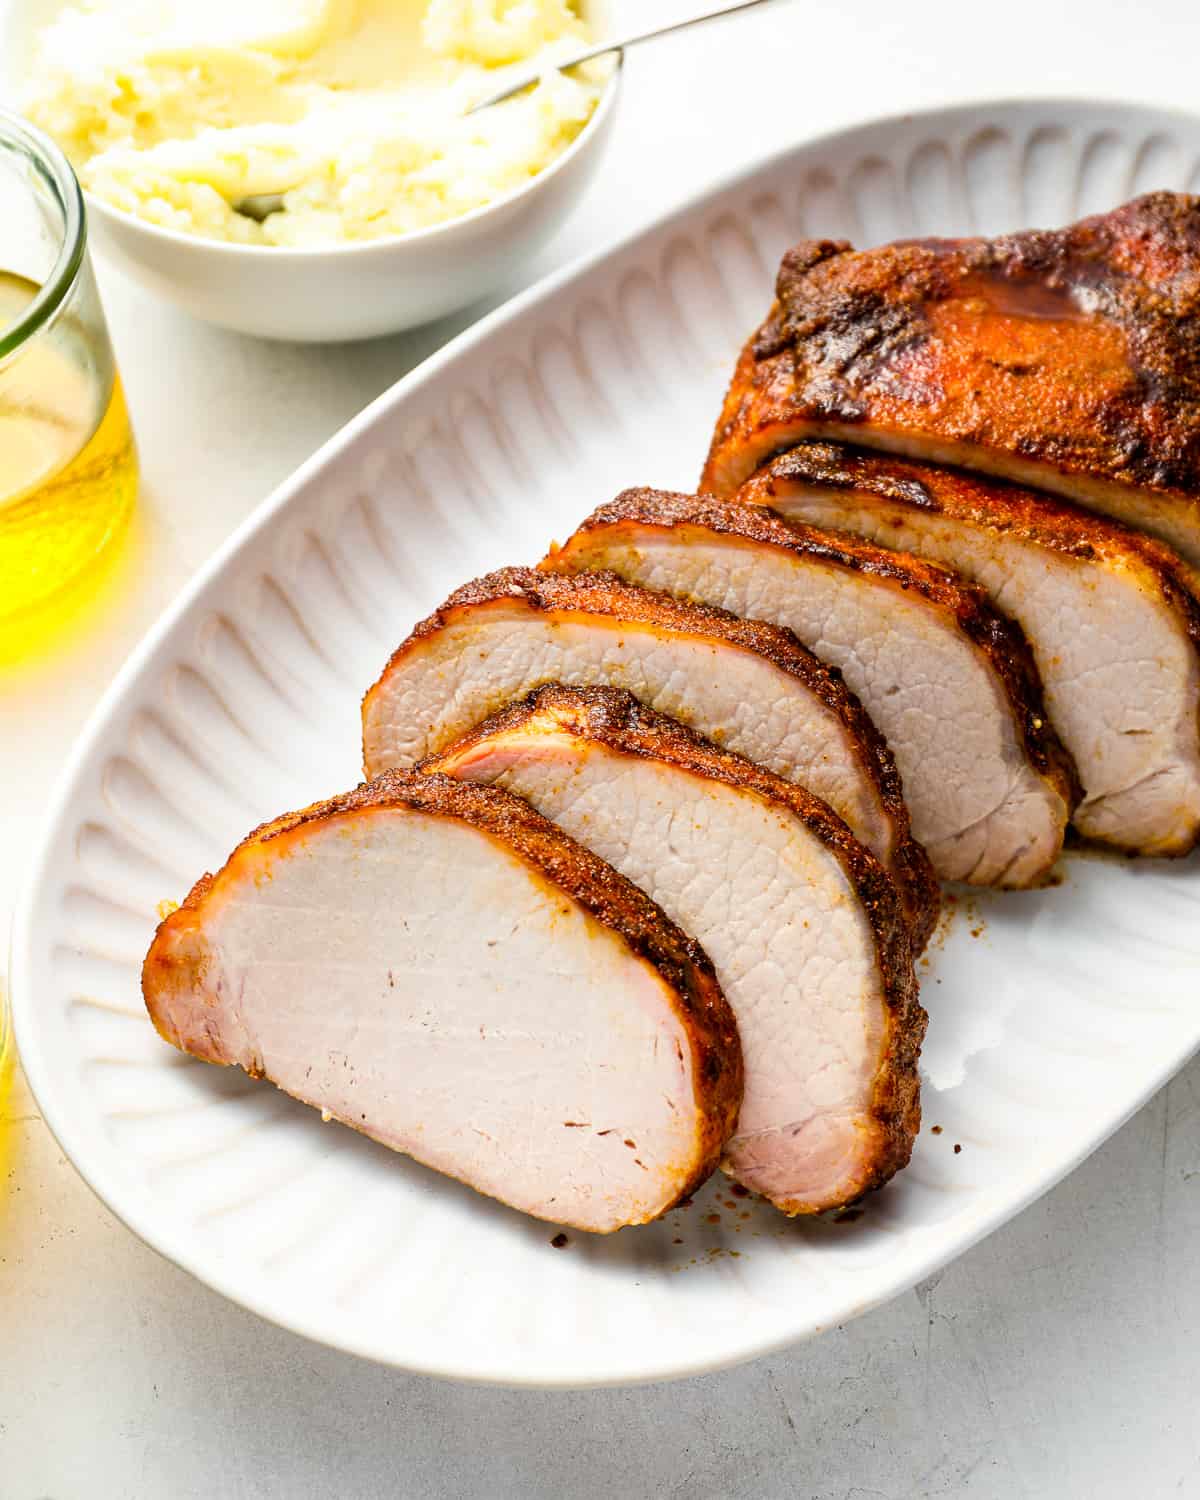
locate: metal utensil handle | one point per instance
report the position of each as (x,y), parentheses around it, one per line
(617,44)
(648,36)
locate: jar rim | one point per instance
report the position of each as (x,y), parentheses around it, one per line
(55,171)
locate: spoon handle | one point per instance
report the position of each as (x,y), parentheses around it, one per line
(617,44)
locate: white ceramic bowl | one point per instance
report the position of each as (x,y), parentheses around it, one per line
(354,291)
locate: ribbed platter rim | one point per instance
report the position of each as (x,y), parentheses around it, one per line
(994,1208)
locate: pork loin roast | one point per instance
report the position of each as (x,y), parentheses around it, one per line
(439,967)
(1067,359)
(803,924)
(1108,613)
(748,686)
(948,681)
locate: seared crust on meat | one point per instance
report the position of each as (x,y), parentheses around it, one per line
(1000,639)
(553,587)
(617,719)
(1027,515)
(557,859)
(1071,352)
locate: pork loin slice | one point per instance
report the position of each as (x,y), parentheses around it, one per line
(809,940)
(1066,359)
(442,969)
(947,680)
(1109,616)
(752,688)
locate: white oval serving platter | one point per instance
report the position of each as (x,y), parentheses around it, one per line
(1053,1015)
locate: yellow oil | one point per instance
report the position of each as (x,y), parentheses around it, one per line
(68,474)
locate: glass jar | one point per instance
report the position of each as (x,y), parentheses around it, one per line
(6,1067)
(8,1054)
(68,468)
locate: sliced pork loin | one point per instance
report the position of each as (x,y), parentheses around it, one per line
(439,967)
(947,680)
(752,688)
(1108,613)
(809,940)
(1066,359)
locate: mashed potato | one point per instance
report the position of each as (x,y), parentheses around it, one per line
(352,109)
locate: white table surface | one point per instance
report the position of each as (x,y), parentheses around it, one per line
(1057,1359)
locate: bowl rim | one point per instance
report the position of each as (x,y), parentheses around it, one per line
(230,249)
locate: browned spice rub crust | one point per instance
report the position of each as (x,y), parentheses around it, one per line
(1002,641)
(1076,350)
(586,879)
(550,587)
(616,718)
(1027,515)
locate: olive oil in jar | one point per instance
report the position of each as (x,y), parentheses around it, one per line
(68,469)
